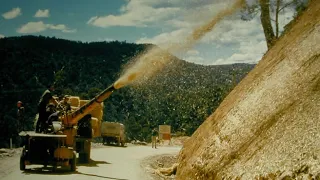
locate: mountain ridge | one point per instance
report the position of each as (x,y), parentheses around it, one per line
(29,63)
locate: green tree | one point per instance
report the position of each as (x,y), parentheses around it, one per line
(267,8)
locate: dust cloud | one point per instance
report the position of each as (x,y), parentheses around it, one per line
(153,60)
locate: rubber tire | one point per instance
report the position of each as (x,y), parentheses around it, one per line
(73,162)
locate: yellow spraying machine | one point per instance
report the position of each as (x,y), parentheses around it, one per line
(70,135)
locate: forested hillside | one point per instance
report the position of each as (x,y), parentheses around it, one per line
(182,95)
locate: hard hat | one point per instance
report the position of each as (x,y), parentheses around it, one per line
(19,102)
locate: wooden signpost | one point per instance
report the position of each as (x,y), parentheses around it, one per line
(165,132)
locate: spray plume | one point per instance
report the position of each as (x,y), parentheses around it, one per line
(147,64)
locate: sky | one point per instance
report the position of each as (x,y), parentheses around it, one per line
(141,21)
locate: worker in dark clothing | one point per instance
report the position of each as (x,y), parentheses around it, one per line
(20,116)
(20,124)
(50,109)
(45,99)
(154,138)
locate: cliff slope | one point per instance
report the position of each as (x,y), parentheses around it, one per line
(268,126)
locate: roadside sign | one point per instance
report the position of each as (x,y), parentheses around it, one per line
(165,132)
(164,129)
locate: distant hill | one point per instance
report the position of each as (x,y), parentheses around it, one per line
(182,95)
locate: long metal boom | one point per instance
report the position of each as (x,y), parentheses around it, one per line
(75,116)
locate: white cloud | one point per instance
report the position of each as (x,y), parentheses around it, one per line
(238,41)
(233,31)
(246,37)
(34,27)
(15,12)
(106,39)
(136,13)
(242,41)
(285,17)
(165,39)
(233,34)
(61,27)
(195,13)
(42,13)
(249,52)
(142,13)
(195,59)
(193,52)
(1,36)
(179,23)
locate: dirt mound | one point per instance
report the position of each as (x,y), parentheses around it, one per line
(9,152)
(155,165)
(268,126)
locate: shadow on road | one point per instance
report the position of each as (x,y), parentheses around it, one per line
(114,145)
(62,171)
(94,175)
(92,163)
(48,171)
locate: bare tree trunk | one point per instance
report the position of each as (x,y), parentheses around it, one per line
(277,18)
(266,22)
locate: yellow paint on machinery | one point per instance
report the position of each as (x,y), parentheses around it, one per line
(74,101)
(70,132)
(97,112)
(97,115)
(95,123)
(70,121)
(63,153)
(68,137)
(83,102)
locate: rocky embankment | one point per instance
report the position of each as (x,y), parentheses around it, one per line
(268,126)
(9,152)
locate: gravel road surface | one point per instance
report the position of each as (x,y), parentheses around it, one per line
(108,162)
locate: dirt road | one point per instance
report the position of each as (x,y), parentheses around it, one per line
(107,163)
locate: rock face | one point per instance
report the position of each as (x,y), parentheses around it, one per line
(269,125)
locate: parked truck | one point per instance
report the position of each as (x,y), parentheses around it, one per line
(113,132)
